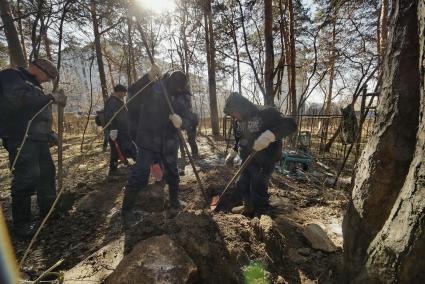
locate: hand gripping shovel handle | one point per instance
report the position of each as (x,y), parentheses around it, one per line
(216,199)
(120,154)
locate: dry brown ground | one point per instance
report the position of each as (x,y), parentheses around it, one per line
(221,244)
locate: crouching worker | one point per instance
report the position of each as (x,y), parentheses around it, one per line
(157,137)
(122,147)
(21,97)
(261,129)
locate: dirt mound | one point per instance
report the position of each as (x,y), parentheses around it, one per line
(221,245)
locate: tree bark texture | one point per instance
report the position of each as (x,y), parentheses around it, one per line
(383,27)
(97,45)
(16,54)
(269,62)
(210,48)
(292,60)
(396,253)
(384,164)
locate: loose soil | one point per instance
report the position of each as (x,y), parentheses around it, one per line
(220,244)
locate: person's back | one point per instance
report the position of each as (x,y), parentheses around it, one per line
(21,98)
(116,115)
(154,131)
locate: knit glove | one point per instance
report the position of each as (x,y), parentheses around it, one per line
(230,157)
(59,98)
(264,140)
(113,134)
(176,120)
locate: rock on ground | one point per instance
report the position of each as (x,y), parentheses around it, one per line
(155,260)
(98,266)
(318,238)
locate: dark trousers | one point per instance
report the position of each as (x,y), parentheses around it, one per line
(139,176)
(191,139)
(105,139)
(253,184)
(34,172)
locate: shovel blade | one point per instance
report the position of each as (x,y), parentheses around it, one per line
(214,202)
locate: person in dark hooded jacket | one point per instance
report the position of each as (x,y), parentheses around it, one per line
(21,97)
(260,129)
(156,135)
(118,130)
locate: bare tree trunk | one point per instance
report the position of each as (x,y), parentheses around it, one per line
(383,25)
(97,45)
(328,103)
(131,59)
(292,59)
(46,41)
(396,253)
(21,31)
(210,46)
(384,164)
(16,54)
(238,61)
(269,62)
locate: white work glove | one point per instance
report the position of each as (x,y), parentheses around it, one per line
(264,140)
(176,120)
(113,134)
(59,98)
(154,73)
(230,158)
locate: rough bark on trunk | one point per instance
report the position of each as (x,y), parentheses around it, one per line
(385,162)
(210,48)
(293,59)
(238,61)
(16,54)
(383,26)
(269,62)
(21,31)
(328,103)
(396,253)
(97,45)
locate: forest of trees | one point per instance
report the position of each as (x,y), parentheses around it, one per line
(284,53)
(279,53)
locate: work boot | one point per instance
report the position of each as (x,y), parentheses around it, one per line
(24,230)
(246,209)
(21,215)
(127,213)
(173,199)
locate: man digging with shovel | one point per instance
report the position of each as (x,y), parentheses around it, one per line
(157,136)
(261,130)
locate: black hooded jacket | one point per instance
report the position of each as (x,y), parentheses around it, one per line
(254,121)
(120,121)
(155,131)
(21,97)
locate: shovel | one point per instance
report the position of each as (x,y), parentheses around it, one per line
(215,200)
(120,154)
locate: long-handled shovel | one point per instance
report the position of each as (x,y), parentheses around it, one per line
(215,200)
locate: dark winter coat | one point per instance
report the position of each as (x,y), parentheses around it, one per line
(144,85)
(155,132)
(254,121)
(120,121)
(21,97)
